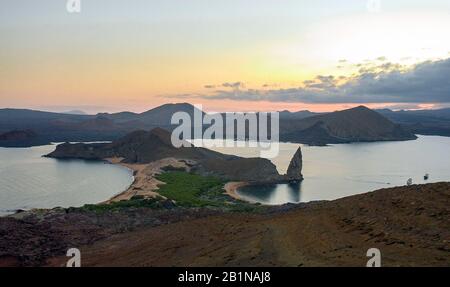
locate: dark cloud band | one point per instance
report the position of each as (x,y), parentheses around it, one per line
(427,82)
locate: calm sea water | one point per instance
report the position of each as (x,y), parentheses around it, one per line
(346,169)
(27,180)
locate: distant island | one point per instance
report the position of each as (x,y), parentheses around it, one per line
(358,124)
(154,150)
(21,138)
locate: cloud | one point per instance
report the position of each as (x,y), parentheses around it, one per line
(90,109)
(405,106)
(270,85)
(235,85)
(426,82)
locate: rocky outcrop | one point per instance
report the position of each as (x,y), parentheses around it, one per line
(257,170)
(416,233)
(144,147)
(294,172)
(136,147)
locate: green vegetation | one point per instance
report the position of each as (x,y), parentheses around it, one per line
(193,190)
(135,202)
(182,189)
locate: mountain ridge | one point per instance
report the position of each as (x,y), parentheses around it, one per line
(301,126)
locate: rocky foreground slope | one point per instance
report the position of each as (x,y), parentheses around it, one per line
(410,225)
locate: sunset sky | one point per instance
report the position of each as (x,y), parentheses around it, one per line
(234,55)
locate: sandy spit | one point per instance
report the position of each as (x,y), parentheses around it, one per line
(232,187)
(145,184)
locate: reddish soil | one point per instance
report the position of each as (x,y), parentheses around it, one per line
(410,226)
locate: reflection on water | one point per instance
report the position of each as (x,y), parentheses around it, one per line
(28,180)
(272,193)
(342,170)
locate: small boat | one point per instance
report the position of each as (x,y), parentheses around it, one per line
(426,176)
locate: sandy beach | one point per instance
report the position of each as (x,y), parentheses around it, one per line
(145,184)
(232,187)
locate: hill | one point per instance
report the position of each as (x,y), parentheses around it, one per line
(157,117)
(60,127)
(296,115)
(144,147)
(359,124)
(353,125)
(21,138)
(409,224)
(424,122)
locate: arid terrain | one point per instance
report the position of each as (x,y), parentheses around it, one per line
(410,226)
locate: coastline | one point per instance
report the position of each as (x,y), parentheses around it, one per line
(145,183)
(232,187)
(330,233)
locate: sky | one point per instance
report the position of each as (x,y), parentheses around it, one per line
(233,55)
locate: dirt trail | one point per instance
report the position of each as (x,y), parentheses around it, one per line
(410,225)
